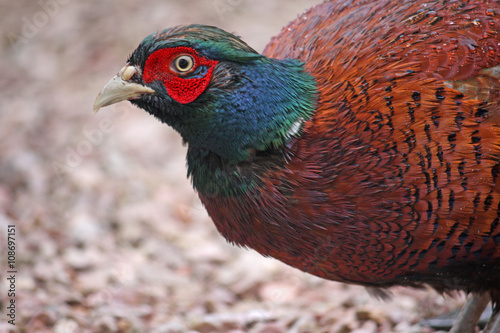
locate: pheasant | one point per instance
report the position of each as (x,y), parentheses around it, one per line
(362,146)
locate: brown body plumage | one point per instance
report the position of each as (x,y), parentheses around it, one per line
(398,168)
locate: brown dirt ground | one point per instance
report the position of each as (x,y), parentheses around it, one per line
(110,235)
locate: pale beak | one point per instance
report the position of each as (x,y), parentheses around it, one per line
(120,89)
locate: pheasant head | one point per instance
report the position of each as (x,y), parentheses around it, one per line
(222,96)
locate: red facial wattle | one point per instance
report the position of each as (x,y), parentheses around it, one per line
(180,86)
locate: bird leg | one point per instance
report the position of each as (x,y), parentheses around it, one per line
(494,323)
(469,315)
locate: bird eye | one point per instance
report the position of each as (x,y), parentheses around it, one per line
(183,63)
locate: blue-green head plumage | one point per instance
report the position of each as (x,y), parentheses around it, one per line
(247,102)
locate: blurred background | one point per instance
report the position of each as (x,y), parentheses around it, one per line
(110,236)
